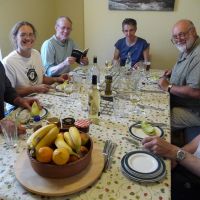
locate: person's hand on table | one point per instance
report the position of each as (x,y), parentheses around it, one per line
(160,147)
(20,129)
(163,83)
(59,79)
(42,88)
(26,102)
(65,76)
(167,73)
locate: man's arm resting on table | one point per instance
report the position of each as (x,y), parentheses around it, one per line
(159,146)
(185,91)
(181,91)
(24,91)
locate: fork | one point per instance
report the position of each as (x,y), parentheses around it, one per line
(110,155)
(108,151)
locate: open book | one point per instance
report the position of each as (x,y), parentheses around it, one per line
(78,54)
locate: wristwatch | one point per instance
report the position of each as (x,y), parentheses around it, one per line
(169,87)
(180,155)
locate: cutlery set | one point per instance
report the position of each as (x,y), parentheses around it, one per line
(108,151)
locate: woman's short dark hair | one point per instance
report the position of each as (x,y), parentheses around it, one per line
(16,28)
(129,21)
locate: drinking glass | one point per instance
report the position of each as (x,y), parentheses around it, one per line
(10,133)
(135,99)
(108,67)
(84,97)
(119,105)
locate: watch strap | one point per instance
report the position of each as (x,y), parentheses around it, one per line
(180,155)
(169,87)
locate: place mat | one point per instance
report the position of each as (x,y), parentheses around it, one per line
(34,183)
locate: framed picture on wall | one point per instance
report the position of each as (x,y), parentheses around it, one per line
(159,5)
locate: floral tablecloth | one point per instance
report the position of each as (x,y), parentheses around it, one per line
(112,185)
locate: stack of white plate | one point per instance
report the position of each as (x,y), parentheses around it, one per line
(143,166)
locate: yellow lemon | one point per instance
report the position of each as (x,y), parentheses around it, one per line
(44,154)
(60,156)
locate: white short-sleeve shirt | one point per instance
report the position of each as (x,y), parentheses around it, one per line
(23,71)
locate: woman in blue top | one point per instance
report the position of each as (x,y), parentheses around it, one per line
(136,47)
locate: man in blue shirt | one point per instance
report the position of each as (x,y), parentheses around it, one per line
(56,51)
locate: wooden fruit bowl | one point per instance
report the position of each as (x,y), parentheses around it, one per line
(52,170)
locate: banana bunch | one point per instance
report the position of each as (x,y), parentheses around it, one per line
(35,138)
(73,138)
(48,139)
(60,143)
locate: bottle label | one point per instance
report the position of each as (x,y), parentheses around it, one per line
(93,106)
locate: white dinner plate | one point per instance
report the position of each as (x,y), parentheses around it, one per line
(137,132)
(142,162)
(24,115)
(143,180)
(149,161)
(144,177)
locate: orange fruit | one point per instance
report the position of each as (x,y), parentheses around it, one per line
(44,154)
(60,156)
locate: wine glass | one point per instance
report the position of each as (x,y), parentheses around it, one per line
(135,99)
(108,67)
(68,89)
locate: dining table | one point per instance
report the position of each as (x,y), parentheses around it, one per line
(111,184)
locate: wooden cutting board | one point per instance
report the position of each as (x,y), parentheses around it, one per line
(34,183)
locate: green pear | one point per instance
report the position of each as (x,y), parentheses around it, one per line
(148,128)
(35,109)
(63,85)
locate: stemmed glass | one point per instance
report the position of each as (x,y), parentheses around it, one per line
(68,89)
(135,98)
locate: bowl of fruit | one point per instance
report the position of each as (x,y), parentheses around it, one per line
(54,154)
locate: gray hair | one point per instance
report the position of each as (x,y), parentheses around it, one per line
(63,17)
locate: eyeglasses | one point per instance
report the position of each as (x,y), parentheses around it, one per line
(181,35)
(25,35)
(63,28)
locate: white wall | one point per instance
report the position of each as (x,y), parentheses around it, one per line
(103,28)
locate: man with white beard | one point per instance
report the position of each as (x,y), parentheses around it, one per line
(183,81)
